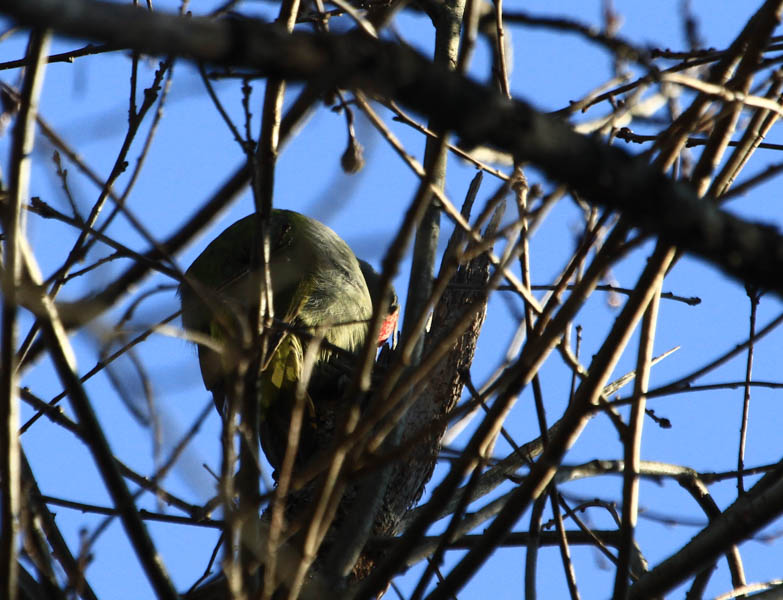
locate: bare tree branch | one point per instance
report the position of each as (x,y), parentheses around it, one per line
(605,175)
(13,226)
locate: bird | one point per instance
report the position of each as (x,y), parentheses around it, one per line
(319,288)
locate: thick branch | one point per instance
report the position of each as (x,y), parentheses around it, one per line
(604,175)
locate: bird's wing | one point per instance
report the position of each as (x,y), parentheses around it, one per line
(293,301)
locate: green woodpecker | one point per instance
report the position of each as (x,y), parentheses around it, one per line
(319,288)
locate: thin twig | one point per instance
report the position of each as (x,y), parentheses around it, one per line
(754,296)
(68,56)
(633,443)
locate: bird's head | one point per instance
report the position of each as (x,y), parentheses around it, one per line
(389,302)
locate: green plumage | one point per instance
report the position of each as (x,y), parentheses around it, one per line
(317,286)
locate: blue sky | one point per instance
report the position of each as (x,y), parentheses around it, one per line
(192,154)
